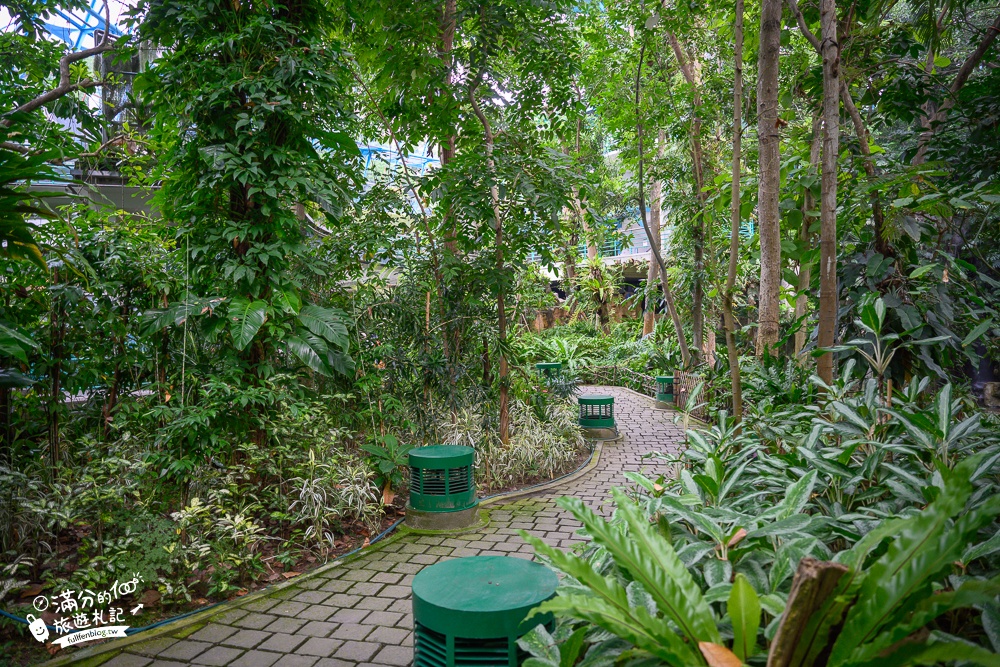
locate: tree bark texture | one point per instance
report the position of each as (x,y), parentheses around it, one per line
(728,319)
(655,216)
(806,237)
(503,370)
(689,68)
(447,44)
(768,220)
(828,290)
(815,581)
(57,334)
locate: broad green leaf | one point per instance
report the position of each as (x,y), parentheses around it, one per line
(245,320)
(923,547)
(717,571)
(306,354)
(922,270)
(798,495)
(914,654)
(540,644)
(792,524)
(638,627)
(773,604)
(971,593)
(991,624)
(990,546)
(744,610)
(9,347)
(326,323)
(650,559)
(606,605)
(570,649)
(288,300)
(851,415)
(9,332)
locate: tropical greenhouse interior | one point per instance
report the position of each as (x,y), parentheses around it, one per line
(617,333)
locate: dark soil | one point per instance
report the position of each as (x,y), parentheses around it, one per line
(18,648)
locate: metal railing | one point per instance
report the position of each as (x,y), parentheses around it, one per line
(620,376)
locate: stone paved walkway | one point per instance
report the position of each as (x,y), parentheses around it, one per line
(359,613)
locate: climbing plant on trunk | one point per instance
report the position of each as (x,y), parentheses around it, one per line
(251,101)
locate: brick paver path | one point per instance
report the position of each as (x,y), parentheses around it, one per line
(359,613)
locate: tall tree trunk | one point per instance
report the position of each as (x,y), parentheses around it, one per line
(805,236)
(573,239)
(689,68)
(451,334)
(447,44)
(668,297)
(729,321)
(828,291)
(768,182)
(655,215)
(6,430)
(878,216)
(502,371)
(111,401)
(569,263)
(57,333)
(581,216)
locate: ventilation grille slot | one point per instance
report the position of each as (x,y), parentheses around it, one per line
(596,411)
(430,649)
(458,480)
(428,482)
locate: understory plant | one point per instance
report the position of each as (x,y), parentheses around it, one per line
(538,448)
(853,532)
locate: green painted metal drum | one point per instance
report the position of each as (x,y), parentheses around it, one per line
(470,611)
(665,388)
(549,369)
(442,479)
(597,411)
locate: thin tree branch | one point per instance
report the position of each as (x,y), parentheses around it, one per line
(17,148)
(65,86)
(803,28)
(963,74)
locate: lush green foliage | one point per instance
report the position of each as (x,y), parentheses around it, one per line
(247,358)
(902,494)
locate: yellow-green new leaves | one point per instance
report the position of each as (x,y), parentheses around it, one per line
(744,610)
(606,605)
(650,559)
(652,564)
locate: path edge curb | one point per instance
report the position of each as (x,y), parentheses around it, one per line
(101,653)
(595,457)
(694,419)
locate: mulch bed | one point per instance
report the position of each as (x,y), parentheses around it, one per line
(18,647)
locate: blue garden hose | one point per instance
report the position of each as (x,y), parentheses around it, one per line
(132,631)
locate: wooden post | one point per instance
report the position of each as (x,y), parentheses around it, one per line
(810,608)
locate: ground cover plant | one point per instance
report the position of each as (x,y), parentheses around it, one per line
(710,561)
